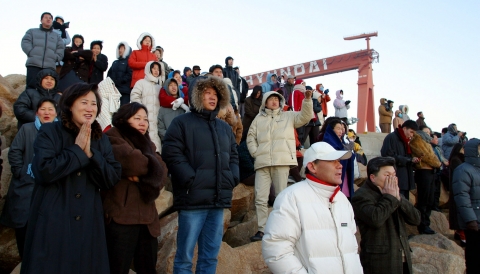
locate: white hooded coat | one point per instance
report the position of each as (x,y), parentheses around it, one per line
(340,107)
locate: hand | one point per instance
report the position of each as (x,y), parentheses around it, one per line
(446,163)
(134,179)
(391,187)
(308,94)
(347,102)
(460,134)
(472,225)
(416,160)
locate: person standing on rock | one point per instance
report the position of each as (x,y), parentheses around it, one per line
(381,213)
(385,114)
(312,228)
(466,191)
(271,142)
(397,145)
(132,224)
(17,203)
(43,47)
(201,154)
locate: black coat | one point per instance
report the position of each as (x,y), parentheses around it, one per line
(393,146)
(244,92)
(17,203)
(121,75)
(317,107)
(201,155)
(229,72)
(381,219)
(66,232)
(25,107)
(99,67)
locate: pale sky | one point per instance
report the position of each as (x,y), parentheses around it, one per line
(428,49)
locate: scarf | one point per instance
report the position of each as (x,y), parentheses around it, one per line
(405,140)
(38,124)
(314,179)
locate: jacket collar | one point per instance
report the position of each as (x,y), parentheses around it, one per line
(322,188)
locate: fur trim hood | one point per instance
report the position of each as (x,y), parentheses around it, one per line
(216,83)
(227,81)
(300,87)
(403,108)
(148,74)
(383,101)
(267,95)
(140,38)
(126,53)
(339,96)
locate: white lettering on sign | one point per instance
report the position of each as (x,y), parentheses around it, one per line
(260,78)
(325,64)
(362,76)
(313,67)
(299,69)
(274,72)
(249,80)
(287,72)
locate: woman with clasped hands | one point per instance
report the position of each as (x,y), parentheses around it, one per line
(73,161)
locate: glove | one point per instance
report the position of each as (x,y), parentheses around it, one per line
(326,91)
(185,107)
(472,225)
(347,102)
(177,103)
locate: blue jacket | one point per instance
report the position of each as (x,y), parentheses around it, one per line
(120,72)
(269,85)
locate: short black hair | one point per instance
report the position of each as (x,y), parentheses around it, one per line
(410,124)
(444,130)
(45,13)
(176,72)
(418,113)
(125,112)
(423,127)
(96,42)
(212,68)
(375,164)
(44,100)
(72,93)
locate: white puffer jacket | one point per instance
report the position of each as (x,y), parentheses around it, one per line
(270,139)
(146,92)
(305,233)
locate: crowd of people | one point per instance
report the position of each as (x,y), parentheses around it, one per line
(82,196)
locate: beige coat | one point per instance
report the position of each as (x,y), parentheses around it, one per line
(270,139)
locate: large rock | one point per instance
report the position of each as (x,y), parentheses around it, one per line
(444,197)
(431,259)
(16,80)
(5,178)
(242,201)
(439,241)
(164,202)
(6,90)
(371,143)
(240,234)
(438,222)
(9,257)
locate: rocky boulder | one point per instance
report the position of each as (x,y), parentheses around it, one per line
(438,222)
(242,201)
(438,241)
(16,80)
(164,202)
(5,178)
(431,259)
(9,257)
(8,122)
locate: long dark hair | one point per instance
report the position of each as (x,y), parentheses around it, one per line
(125,112)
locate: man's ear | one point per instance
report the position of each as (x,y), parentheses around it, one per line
(372,177)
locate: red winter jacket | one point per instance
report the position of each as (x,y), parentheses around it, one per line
(325,100)
(166,100)
(137,61)
(296,100)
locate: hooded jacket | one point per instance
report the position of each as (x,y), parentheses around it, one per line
(25,107)
(230,73)
(139,58)
(297,96)
(146,92)
(397,120)
(466,185)
(340,106)
(43,47)
(385,115)
(449,139)
(252,108)
(200,152)
(404,109)
(120,72)
(324,100)
(270,139)
(311,230)
(167,114)
(269,85)
(421,148)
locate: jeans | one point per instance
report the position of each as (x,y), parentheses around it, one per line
(204,226)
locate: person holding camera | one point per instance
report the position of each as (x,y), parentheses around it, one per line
(449,139)
(385,114)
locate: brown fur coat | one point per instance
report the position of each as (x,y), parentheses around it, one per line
(422,149)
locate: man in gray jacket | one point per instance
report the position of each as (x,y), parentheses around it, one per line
(43,47)
(466,191)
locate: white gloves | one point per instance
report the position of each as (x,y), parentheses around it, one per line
(185,107)
(177,103)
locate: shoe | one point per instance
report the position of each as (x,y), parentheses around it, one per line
(257,237)
(427,230)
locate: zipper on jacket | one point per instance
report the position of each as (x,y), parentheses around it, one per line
(290,149)
(330,208)
(44,49)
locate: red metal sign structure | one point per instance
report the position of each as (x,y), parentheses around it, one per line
(361,60)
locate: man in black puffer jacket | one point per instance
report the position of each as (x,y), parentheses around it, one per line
(201,154)
(26,105)
(229,72)
(43,47)
(121,73)
(466,191)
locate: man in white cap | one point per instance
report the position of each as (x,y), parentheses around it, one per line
(312,228)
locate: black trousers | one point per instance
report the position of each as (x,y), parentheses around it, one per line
(425,180)
(312,133)
(472,251)
(131,242)
(436,194)
(32,75)
(20,234)
(125,99)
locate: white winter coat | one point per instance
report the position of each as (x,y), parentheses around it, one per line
(305,233)
(270,139)
(146,92)
(340,107)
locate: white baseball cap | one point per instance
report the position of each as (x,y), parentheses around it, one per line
(324,151)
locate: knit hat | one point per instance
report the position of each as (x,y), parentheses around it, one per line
(59,17)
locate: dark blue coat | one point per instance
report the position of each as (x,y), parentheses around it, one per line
(66,232)
(99,67)
(201,155)
(121,75)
